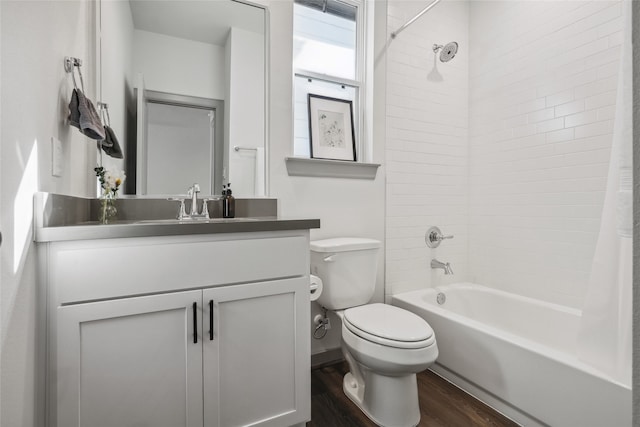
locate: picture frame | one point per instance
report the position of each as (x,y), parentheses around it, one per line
(331,132)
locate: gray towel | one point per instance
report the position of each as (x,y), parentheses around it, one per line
(74,111)
(83,115)
(110,144)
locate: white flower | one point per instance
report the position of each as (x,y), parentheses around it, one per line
(113,179)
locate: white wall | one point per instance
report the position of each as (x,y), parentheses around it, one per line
(427,144)
(543,81)
(161,59)
(36,36)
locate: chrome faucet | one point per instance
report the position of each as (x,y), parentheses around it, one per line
(193,214)
(443,265)
(193,193)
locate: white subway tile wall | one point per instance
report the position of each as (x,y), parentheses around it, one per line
(506,146)
(542,82)
(427,144)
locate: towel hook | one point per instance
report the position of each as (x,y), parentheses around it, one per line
(104,112)
(70,64)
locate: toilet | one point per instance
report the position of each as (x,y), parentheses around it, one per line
(385,346)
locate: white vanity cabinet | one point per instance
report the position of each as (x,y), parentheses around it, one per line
(203,330)
(248,361)
(129,362)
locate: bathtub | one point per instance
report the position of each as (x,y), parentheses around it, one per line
(517,355)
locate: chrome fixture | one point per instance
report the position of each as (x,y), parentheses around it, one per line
(322,324)
(412,20)
(193,214)
(238,148)
(447,52)
(182,214)
(434,236)
(443,265)
(193,193)
(70,62)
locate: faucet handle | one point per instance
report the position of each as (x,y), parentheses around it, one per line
(434,236)
(182,213)
(205,208)
(195,188)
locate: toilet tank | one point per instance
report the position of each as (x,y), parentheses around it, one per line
(348,268)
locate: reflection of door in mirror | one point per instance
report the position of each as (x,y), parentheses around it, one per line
(183,144)
(177,138)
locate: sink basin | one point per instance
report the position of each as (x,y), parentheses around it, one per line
(160,221)
(232,219)
(194,221)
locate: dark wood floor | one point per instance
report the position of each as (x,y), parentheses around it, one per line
(441,403)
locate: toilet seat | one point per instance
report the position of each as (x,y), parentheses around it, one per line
(389,326)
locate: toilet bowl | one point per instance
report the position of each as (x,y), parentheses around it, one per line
(385,346)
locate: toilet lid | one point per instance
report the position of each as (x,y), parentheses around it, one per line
(389,325)
(343,244)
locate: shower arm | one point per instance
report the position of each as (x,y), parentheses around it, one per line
(412,20)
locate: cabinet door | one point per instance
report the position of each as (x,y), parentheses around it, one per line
(257,362)
(130,362)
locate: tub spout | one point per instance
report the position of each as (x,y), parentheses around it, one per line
(443,265)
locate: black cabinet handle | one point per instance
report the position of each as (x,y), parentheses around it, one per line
(211,320)
(195,323)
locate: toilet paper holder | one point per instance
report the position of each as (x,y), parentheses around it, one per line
(315,287)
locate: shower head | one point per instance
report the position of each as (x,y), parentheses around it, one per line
(447,52)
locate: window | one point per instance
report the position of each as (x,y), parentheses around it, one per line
(328,60)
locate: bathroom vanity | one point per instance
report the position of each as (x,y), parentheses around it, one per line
(201,324)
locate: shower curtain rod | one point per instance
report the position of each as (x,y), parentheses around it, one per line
(412,20)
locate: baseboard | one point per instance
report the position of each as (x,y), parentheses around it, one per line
(328,357)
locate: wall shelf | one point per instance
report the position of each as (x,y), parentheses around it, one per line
(302,166)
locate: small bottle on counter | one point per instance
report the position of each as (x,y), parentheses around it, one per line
(228,203)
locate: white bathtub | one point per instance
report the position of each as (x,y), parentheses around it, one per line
(517,355)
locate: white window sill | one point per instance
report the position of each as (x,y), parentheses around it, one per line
(302,166)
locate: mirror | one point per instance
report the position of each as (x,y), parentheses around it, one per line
(184,81)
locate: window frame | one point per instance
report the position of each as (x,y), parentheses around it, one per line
(358,83)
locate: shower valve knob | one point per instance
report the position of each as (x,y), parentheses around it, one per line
(434,236)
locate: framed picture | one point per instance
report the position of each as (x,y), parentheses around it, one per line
(331,133)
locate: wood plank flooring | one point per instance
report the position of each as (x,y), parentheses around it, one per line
(441,403)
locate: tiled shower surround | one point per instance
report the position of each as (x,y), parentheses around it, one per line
(506,146)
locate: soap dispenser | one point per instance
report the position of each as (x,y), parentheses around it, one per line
(228,204)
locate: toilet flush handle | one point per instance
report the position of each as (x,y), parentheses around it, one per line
(330,258)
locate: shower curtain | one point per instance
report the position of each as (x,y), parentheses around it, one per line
(605,339)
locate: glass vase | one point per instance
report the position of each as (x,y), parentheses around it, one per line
(108,210)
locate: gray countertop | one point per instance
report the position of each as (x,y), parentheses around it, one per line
(124,229)
(60,217)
